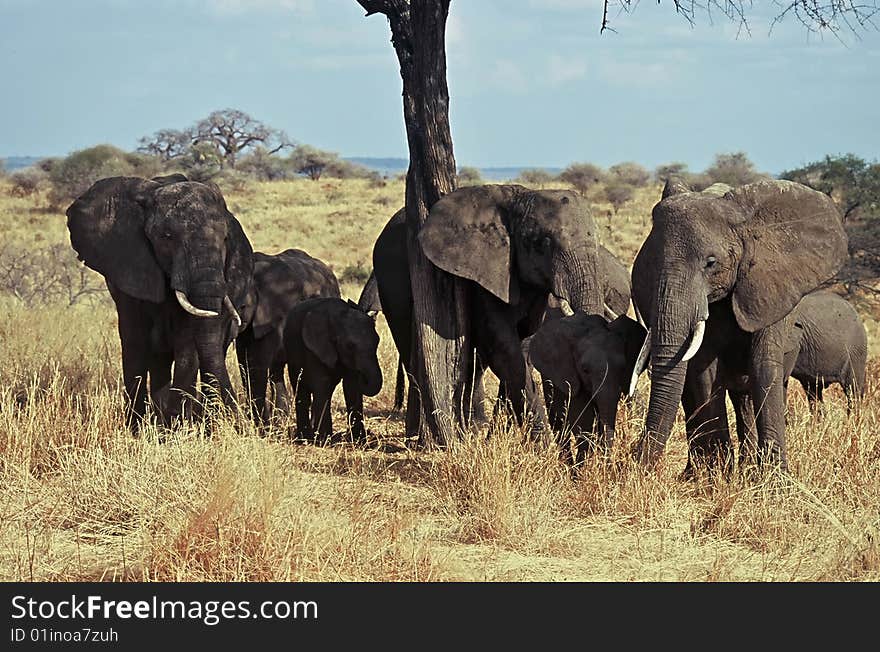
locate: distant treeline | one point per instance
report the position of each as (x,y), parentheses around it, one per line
(231,147)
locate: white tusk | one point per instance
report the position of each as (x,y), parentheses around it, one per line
(696,341)
(229,306)
(638,315)
(190,308)
(565,307)
(641,364)
(609,312)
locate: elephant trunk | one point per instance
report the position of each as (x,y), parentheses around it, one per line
(676,335)
(210,339)
(575,280)
(370,379)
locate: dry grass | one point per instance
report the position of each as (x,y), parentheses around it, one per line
(82,499)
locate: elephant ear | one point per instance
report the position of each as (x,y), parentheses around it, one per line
(551,352)
(239,270)
(674,186)
(793,240)
(467,234)
(106,225)
(631,335)
(316,335)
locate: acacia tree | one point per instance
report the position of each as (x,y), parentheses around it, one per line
(442,351)
(231,131)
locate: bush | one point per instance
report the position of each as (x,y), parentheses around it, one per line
(666,170)
(47,276)
(618,193)
(263,166)
(27,182)
(535,177)
(72,176)
(852,182)
(582,176)
(469,176)
(734,169)
(629,174)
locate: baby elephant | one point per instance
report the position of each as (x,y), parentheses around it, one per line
(833,346)
(586,363)
(327,340)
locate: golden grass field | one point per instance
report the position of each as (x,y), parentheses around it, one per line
(81,499)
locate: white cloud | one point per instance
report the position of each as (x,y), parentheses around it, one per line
(244,6)
(565,69)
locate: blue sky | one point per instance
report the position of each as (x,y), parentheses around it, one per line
(532,82)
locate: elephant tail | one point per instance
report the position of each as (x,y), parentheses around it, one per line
(399,386)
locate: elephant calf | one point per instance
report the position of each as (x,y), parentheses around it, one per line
(327,340)
(587,363)
(833,346)
(280,282)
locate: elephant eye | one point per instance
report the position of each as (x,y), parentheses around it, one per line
(166,235)
(710,262)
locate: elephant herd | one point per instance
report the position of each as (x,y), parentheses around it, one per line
(725,291)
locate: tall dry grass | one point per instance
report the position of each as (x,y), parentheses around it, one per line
(80,498)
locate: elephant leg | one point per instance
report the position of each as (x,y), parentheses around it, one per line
(746,431)
(766,379)
(605,403)
(706,420)
(322,418)
(280,396)
(583,417)
(259,355)
(134,337)
(302,402)
(354,408)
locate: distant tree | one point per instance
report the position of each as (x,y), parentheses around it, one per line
(629,173)
(697,180)
(232,132)
(27,182)
(73,175)
(201,162)
(852,182)
(535,177)
(734,169)
(2,168)
(167,144)
(618,193)
(311,161)
(666,170)
(582,176)
(260,164)
(469,176)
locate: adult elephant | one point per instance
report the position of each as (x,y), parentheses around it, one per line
(741,259)
(517,247)
(179,268)
(280,282)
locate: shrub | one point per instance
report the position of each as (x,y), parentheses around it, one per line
(27,182)
(469,176)
(618,193)
(582,176)
(535,177)
(263,166)
(72,176)
(45,276)
(852,182)
(666,170)
(629,173)
(734,169)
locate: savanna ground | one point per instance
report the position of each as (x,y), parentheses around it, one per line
(81,499)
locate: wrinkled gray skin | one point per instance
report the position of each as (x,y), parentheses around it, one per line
(280,281)
(517,247)
(328,340)
(155,241)
(588,362)
(740,259)
(832,347)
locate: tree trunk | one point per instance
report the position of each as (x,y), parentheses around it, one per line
(440,314)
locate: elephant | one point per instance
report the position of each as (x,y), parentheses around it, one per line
(588,361)
(280,281)
(715,281)
(180,270)
(832,347)
(516,247)
(327,340)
